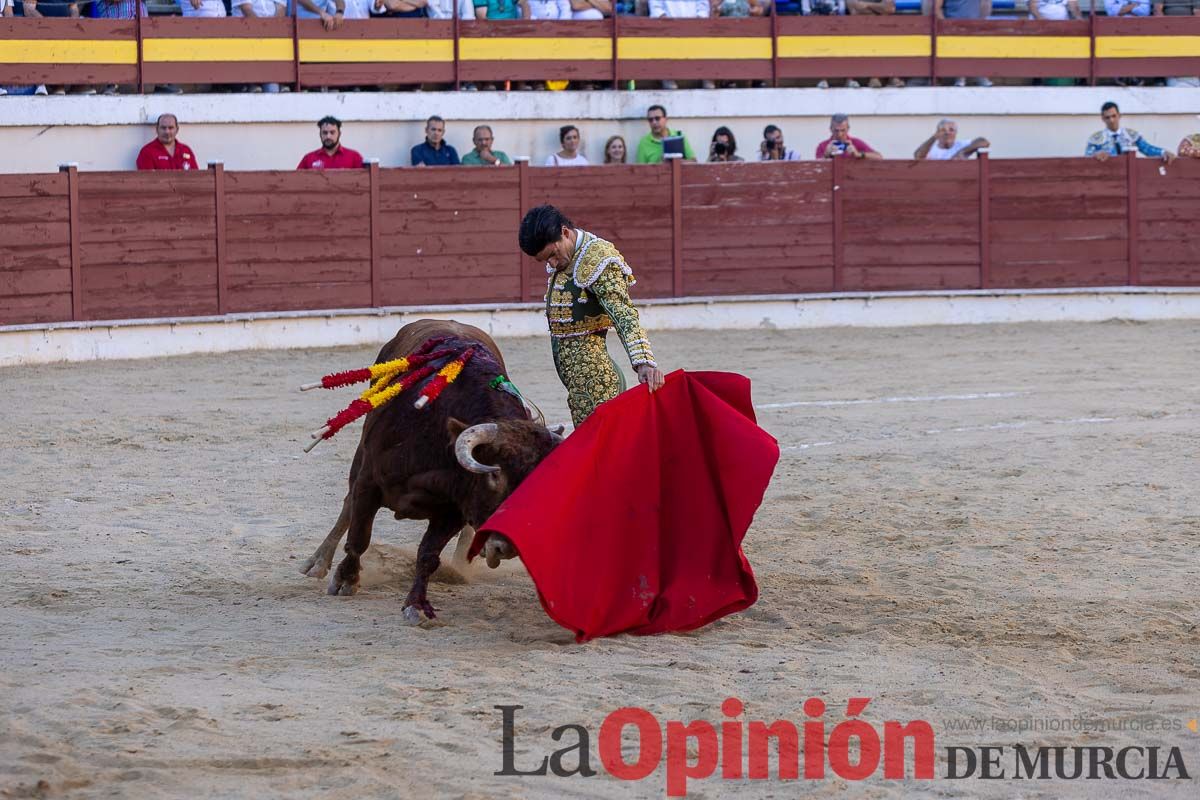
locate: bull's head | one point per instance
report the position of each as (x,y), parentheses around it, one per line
(498,456)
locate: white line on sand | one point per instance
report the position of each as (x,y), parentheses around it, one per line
(936,398)
(995,426)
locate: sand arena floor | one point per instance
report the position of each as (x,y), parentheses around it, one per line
(966,524)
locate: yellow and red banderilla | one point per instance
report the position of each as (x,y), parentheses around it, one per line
(413,368)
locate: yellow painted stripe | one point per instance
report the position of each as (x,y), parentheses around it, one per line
(853,46)
(365,51)
(216,49)
(535,49)
(1147,46)
(697,48)
(66,51)
(1013,47)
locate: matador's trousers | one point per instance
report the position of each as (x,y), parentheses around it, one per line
(588,371)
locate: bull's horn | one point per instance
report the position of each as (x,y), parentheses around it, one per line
(468,440)
(557,431)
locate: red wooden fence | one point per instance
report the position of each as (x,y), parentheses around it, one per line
(90,246)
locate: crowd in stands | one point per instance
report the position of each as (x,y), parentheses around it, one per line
(332,13)
(166,152)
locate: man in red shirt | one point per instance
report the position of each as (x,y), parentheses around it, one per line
(165,152)
(331,155)
(841,144)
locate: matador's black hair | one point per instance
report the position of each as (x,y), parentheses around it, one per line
(542,226)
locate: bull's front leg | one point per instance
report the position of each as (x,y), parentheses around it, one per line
(441,530)
(365,502)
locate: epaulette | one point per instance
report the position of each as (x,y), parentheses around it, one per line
(594,257)
(1097,138)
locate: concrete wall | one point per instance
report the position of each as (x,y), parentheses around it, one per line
(23,345)
(255,131)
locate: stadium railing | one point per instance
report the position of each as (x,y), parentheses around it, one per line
(169,49)
(104,245)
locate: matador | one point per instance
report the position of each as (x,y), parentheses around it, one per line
(587,292)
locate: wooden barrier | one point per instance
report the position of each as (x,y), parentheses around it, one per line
(142,244)
(221,51)
(410,51)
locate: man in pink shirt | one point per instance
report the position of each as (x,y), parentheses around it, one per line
(841,144)
(331,155)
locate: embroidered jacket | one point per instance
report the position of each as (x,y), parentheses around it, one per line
(1122,140)
(591,295)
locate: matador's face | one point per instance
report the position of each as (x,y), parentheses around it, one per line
(559,254)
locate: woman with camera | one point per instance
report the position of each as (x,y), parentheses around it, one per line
(723,147)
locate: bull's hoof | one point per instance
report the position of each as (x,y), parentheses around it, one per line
(315,567)
(496,549)
(417,613)
(339,587)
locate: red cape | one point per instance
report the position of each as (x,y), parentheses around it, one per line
(634,524)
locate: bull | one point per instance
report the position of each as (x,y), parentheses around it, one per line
(451,463)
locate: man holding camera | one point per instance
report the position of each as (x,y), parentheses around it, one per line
(772,148)
(841,144)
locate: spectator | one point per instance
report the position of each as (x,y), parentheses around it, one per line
(650,148)
(483,155)
(827,8)
(842,144)
(1179,8)
(116,9)
(1115,140)
(263,9)
(741,9)
(166,152)
(331,154)
(404,9)
(53,8)
(1057,10)
(444,9)
(944,144)
(202,8)
(569,156)
(964,9)
(591,9)
(1189,146)
(772,147)
(1127,8)
(879,8)
(548,9)
(615,150)
(723,147)
(434,152)
(681,9)
(330,12)
(499,9)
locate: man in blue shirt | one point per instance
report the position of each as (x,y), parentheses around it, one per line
(434,152)
(1115,140)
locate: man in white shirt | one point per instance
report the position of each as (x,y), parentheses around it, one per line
(549,9)
(202,8)
(1057,10)
(944,144)
(681,9)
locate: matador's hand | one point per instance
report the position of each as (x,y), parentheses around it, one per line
(651,376)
